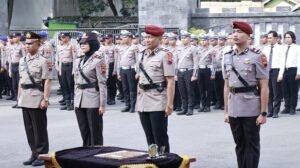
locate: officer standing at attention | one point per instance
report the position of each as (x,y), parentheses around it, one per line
(34,87)
(66,55)
(91,91)
(156,70)
(187,67)
(173,49)
(127,55)
(219,81)
(109,52)
(245,72)
(205,74)
(46,49)
(16,53)
(274,53)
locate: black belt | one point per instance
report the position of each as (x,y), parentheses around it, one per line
(88,86)
(67,63)
(15,64)
(32,86)
(153,86)
(243,89)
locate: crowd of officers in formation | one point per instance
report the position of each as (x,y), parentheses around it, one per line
(198,63)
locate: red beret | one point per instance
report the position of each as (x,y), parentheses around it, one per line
(154,30)
(244,26)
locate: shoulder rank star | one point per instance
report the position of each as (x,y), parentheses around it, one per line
(264,60)
(170,58)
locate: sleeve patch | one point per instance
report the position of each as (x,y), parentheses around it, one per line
(170,58)
(102,68)
(264,61)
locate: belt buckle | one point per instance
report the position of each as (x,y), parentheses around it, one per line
(142,87)
(232,90)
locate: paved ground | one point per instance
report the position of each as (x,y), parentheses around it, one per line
(204,136)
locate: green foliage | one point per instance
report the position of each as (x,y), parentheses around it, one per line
(87,7)
(130,7)
(196,31)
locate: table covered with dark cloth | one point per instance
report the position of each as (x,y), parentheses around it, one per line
(84,157)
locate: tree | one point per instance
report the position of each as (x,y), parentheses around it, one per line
(130,7)
(87,7)
(112,7)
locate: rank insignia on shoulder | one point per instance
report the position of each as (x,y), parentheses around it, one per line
(255,50)
(170,58)
(264,61)
(102,68)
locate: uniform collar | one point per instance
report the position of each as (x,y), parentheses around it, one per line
(246,50)
(155,51)
(29,57)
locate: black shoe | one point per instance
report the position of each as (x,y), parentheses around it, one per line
(61,101)
(222,108)
(71,106)
(108,103)
(38,162)
(122,100)
(178,109)
(113,102)
(189,113)
(270,115)
(197,106)
(0,96)
(275,115)
(213,103)
(126,109)
(201,109)
(132,110)
(29,161)
(10,98)
(206,109)
(292,112)
(182,112)
(285,111)
(298,110)
(15,106)
(217,106)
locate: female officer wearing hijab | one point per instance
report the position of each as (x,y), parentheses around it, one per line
(90,92)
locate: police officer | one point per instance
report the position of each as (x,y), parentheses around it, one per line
(194,42)
(263,40)
(165,41)
(219,81)
(127,55)
(3,40)
(91,91)
(46,49)
(173,49)
(16,52)
(187,68)
(109,53)
(33,98)
(66,55)
(246,96)
(118,43)
(213,41)
(205,62)
(156,71)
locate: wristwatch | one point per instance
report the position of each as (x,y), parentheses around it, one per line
(263,114)
(46,99)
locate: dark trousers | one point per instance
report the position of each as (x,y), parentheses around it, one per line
(275,92)
(185,89)
(196,93)
(15,78)
(111,83)
(155,125)
(2,82)
(8,81)
(67,81)
(91,126)
(246,137)
(129,84)
(205,86)
(290,88)
(35,121)
(177,97)
(120,87)
(219,88)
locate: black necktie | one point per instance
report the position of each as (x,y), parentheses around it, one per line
(271,55)
(286,55)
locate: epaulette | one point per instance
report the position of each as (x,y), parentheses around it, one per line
(255,50)
(164,49)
